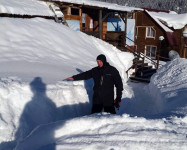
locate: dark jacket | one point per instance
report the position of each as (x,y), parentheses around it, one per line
(105,79)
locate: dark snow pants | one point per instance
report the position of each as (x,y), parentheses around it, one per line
(97,108)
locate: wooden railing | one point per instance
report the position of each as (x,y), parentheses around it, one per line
(142,56)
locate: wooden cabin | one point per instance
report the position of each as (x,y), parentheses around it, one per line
(131,29)
(107,23)
(153,38)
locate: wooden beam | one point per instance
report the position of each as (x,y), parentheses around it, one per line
(126,16)
(106,16)
(125,22)
(70,5)
(102,20)
(100,24)
(69,11)
(56,18)
(80,12)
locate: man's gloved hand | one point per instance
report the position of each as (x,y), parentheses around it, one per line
(69,79)
(117,103)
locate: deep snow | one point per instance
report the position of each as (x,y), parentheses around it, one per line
(172,19)
(35,58)
(40,111)
(56,50)
(25,7)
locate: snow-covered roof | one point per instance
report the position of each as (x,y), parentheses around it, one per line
(172,19)
(110,6)
(158,21)
(25,7)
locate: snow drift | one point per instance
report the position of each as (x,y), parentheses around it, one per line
(105,131)
(36,55)
(39,47)
(108,132)
(40,111)
(168,87)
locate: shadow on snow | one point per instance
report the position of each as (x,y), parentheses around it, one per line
(42,110)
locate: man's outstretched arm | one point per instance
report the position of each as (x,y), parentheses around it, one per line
(82,76)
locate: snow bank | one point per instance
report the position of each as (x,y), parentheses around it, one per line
(24,107)
(39,47)
(25,7)
(36,55)
(168,87)
(105,131)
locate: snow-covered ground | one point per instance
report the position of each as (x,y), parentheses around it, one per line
(40,111)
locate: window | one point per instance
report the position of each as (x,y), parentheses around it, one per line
(151,51)
(150,32)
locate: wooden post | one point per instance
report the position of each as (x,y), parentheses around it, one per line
(69,11)
(100,24)
(157,64)
(184,48)
(143,61)
(158,54)
(136,65)
(80,14)
(103,19)
(126,16)
(56,18)
(185,52)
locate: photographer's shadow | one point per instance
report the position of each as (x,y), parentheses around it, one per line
(42,110)
(39,110)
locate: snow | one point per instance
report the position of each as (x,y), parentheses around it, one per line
(110,6)
(170,89)
(41,111)
(27,54)
(35,57)
(25,7)
(150,129)
(160,24)
(110,132)
(177,21)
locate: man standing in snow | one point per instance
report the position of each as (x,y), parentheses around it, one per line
(105,78)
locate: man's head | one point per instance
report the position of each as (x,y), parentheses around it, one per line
(101,60)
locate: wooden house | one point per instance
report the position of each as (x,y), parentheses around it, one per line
(127,28)
(155,39)
(103,20)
